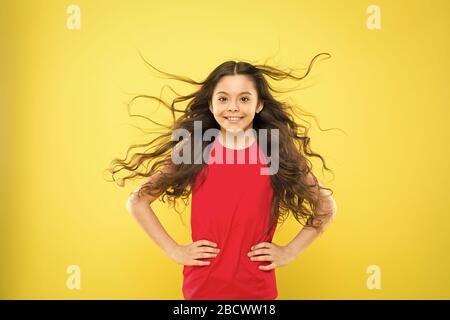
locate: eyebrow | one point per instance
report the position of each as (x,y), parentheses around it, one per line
(245,92)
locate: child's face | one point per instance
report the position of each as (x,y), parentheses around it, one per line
(234,103)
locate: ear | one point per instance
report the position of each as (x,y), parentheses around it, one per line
(260,107)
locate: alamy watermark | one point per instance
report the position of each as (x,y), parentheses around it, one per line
(374,279)
(374,19)
(74,20)
(200,156)
(73,281)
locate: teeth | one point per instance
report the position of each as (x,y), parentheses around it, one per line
(233,118)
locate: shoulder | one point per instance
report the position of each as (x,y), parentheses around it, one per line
(139,194)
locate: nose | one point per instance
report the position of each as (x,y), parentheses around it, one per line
(232,106)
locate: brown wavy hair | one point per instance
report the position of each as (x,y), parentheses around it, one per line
(291,193)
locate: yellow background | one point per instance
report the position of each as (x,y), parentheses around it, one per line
(63,118)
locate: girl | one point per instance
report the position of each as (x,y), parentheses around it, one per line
(235,208)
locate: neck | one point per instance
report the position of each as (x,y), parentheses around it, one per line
(236,140)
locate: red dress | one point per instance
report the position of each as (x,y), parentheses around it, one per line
(231,208)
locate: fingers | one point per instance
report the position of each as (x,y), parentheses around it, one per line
(205,243)
(262,245)
(268,267)
(258,252)
(203,255)
(204,249)
(262,258)
(210,248)
(207,249)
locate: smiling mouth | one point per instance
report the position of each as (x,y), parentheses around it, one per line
(233,119)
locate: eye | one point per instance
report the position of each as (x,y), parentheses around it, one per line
(247,99)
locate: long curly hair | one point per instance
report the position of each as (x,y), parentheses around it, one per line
(292,194)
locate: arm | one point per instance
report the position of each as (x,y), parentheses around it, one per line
(190,254)
(282,255)
(327,206)
(140,209)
